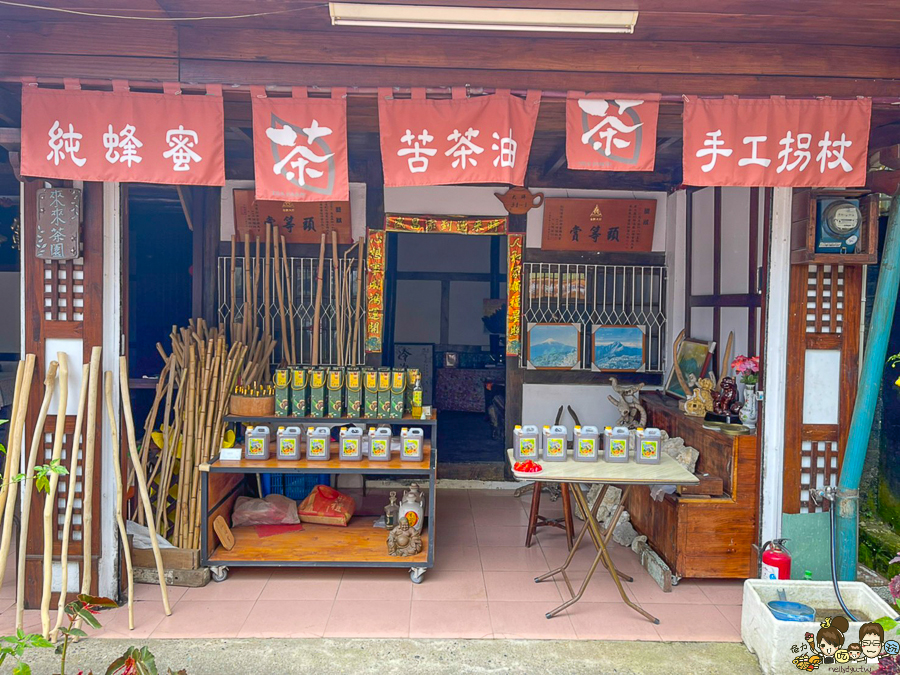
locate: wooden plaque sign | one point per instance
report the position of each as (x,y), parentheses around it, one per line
(598,224)
(299,222)
(58,221)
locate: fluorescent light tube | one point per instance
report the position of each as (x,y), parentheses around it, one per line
(482,18)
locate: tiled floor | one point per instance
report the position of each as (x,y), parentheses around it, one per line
(481,587)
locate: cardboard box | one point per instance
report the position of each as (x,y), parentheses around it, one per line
(299,392)
(317,401)
(412,374)
(353,386)
(398,393)
(384,392)
(282,392)
(335,392)
(370,392)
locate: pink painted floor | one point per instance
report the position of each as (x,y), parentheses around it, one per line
(481,587)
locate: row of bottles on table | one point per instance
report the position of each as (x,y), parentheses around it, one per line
(615,444)
(352,446)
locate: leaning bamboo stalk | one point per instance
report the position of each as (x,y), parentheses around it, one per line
(165,481)
(50,498)
(167,413)
(267,276)
(257,266)
(87,508)
(188,445)
(148,428)
(37,440)
(232,320)
(336,298)
(120,495)
(289,290)
(248,304)
(318,306)
(8,469)
(279,289)
(141,479)
(70,502)
(357,330)
(15,449)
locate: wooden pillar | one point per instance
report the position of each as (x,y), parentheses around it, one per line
(63,301)
(205,209)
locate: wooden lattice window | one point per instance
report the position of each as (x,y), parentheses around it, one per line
(64,290)
(825,299)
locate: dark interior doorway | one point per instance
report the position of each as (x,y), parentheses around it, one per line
(446,302)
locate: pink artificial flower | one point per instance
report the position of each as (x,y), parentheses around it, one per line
(894,587)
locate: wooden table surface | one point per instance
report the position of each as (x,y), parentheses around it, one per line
(667,472)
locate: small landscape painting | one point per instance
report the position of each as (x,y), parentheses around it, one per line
(618,348)
(693,360)
(553,346)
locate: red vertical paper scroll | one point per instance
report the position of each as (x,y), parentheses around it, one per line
(515,245)
(122,136)
(611,132)
(485,139)
(375,264)
(300,147)
(776,142)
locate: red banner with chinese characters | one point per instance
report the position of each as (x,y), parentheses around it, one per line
(445,224)
(300,147)
(375,266)
(611,132)
(776,142)
(123,136)
(485,139)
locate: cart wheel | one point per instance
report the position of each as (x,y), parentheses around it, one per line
(675,580)
(417,574)
(218,573)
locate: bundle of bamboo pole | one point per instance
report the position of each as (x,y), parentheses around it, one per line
(206,371)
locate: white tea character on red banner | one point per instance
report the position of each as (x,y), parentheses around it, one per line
(302,155)
(802,154)
(464,148)
(713,147)
(418,163)
(754,158)
(839,148)
(125,140)
(609,127)
(62,142)
(181,144)
(507,149)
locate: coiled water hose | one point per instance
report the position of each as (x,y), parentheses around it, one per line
(834,580)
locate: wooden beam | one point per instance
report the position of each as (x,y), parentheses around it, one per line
(557,159)
(574,54)
(66,38)
(11,138)
(729,300)
(187,204)
(16,66)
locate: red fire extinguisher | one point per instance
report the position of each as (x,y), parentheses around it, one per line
(776,560)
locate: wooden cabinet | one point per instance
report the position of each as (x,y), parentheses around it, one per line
(703,537)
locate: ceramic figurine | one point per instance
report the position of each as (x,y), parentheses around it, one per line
(701,401)
(404,541)
(726,400)
(412,508)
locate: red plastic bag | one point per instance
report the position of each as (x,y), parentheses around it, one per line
(326,506)
(273,510)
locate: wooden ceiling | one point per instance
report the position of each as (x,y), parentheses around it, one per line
(747,47)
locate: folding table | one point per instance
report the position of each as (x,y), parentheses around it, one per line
(623,475)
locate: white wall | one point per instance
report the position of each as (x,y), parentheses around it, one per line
(541,401)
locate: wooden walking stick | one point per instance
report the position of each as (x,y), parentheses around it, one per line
(248,304)
(267,276)
(232,319)
(318,306)
(279,288)
(336,297)
(15,450)
(50,498)
(117,470)
(141,478)
(37,440)
(87,498)
(357,329)
(289,291)
(70,504)
(7,465)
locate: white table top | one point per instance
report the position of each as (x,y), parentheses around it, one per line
(667,472)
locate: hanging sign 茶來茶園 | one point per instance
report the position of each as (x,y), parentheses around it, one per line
(375,265)
(484,139)
(611,132)
(300,146)
(298,222)
(122,136)
(58,223)
(445,224)
(515,244)
(776,142)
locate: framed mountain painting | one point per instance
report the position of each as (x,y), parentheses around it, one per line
(553,346)
(618,348)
